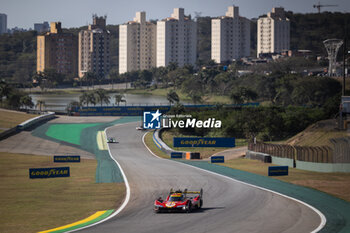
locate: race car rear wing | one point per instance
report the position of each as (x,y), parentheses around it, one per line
(186,192)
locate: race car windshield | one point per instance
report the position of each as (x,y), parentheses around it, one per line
(175,198)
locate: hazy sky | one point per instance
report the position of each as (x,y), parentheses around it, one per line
(76,13)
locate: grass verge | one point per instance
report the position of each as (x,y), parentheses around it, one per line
(150,144)
(10,119)
(336,184)
(41,204)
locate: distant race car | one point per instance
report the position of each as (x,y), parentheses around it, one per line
(140,128)
(182,201)
(111,140)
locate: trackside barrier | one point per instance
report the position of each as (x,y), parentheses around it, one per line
(35,120)
(278,171)
(26,124)
(217,159)
(167,150)
(176,155)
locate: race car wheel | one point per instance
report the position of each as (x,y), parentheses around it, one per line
(200,204)
(188,208)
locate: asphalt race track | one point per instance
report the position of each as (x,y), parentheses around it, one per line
(229,206)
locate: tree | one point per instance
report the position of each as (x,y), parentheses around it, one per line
(119,98)
(26,101)
(84,99)
(40,104)
(92,98)
(90,77)
(102,96)
(195,97)
(172,97)
(5,90)
(243,94)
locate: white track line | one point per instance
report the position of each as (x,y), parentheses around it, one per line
(127,198)
(323,218)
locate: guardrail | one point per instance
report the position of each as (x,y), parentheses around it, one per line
(172,153)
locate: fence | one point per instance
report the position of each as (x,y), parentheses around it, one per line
(341,149)
(323,154)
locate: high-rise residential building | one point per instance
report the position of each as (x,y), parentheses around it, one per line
(3,23)
(41,27)
(57,50)
(230,36)
(94,46)
(137,44)
(273,32)
(176,39)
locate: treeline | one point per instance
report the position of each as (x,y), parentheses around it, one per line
(264,123)
(12,98)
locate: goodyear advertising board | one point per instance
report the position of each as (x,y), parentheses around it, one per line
(176,155)
(119,110)
(35,173)
(204,142)
(278,171)
(66,159)
(217,159)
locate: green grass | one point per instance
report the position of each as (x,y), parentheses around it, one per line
(336,184)
(10,119)
(32,205)
(67,132)
(318,134)
(152,146)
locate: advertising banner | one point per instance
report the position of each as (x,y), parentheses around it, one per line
(53,172)
(66,158)
(278,171)
(204,142)
(217,159)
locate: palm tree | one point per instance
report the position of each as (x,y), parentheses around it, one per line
(84,99)
(119,98)
(26,101)
(102,96)
(40,104)
(92,98)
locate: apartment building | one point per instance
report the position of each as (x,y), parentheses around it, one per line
(94,48)
(176,39)
(273,32)
(137,44)
(41,27)
(57,50)
(3,23)
(230,36)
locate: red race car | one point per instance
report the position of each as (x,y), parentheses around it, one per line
(183,201)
